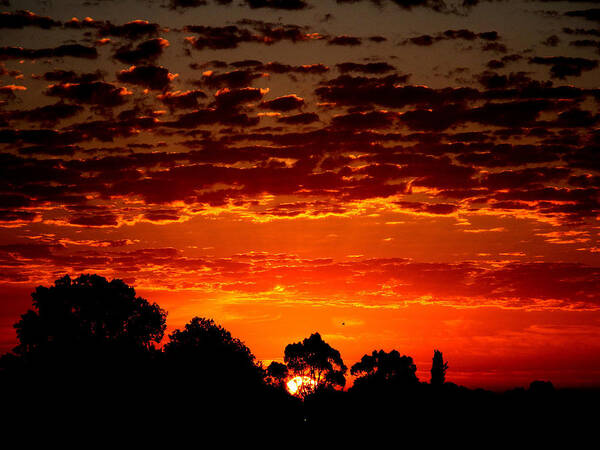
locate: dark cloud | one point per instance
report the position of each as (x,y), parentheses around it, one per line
(136,29)
(564,66)
(72,50)
(182,100)
(585,181)
(233,79)
(46,115)
(284,104)
(586,43)
(499,64)
(435,5)
(10,217)
(21,19)
(462,34)
(345,40)
(97,93)
(271,33)
(246,63)
(290,5)
(429,208)
(424,40)
(232,98)
(299,119)
(576,118)
(388,92)
(160,215)
(494,47)
(277,4)
(146,52)
(504,155)
(367,120)
(276,67)
(374,136)
(581,32)
(438,119)
(589,14)
(232,36)
(69,76)
(174,4)
(551,41)
(212,116)
(95,220)
(369,68)
(7,93)
(510,114)
(493,80)
(51,150)
(150,76)
(218,37)
(513,179)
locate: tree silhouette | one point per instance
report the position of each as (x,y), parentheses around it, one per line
(438,369)
(381,367)
(317,360)
(86,360)
(277,373)
(84,318)
(209,353)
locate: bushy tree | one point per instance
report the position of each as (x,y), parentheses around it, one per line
(277,373)
(207,351)
(382,367)
(317,360)
(84,318)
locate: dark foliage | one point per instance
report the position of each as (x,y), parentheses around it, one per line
(208,353)
(316,359)
(86,366)
(385,368)
(79,321)
(277,374)
(438,369)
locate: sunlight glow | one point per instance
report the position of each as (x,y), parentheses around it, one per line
(298,385)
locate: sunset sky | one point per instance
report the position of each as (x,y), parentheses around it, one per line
(394,174)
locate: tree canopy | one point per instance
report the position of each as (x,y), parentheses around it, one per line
(277,373)
(86,359)
(87,314)
(317,360)
(380,367)
(208,350)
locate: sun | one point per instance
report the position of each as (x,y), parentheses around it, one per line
(301,384)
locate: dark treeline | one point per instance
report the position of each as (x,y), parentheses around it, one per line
(88,363)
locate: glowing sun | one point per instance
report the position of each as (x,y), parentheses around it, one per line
(298,385)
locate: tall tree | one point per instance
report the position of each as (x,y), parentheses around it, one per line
(438,369)
(318,361)
(85,318)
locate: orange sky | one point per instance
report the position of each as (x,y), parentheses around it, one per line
(394,177)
